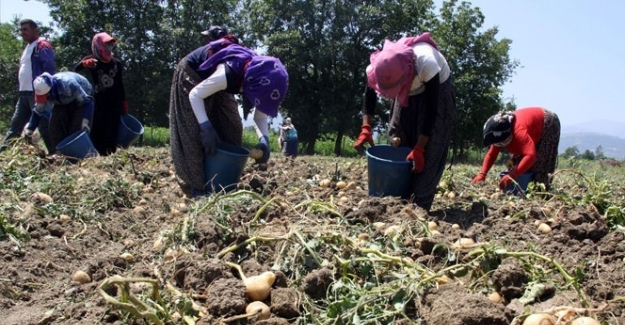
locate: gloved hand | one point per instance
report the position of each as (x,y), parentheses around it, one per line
(364,137)
(263,144)
(125,107)
(209,137)
(507,180)
(479,178)
(85,125)
(89,63)
(418,161)
(28,135)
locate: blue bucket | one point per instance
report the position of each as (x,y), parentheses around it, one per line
(129,130)
(222,170)
(78,145)
(389,172)
(523,180)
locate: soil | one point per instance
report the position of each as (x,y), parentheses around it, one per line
(130,203)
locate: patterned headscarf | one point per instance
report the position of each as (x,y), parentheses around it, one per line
(265,84)
(392,69)
(100,47)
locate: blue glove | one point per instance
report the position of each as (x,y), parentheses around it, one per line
(209,137)
(263,144)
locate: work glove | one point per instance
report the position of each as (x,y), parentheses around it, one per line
(209,137)
(263,144)
(125,107)
(89,63)
(85,125)
(507,180)
(364,137)
(479,178)
(28,135)
(418,161)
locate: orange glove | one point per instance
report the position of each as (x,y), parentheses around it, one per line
(365,137)
(507,180)
(89,63)
(479,178)
(418,161)
(125,107)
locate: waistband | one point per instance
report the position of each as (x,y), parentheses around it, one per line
(26,92)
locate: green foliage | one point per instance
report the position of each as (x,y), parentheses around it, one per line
(10,53)
(324,45)
(480,65)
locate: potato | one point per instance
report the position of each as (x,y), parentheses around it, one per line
(539,319)
(341,185)
(81,277)
(258,307)
(585,321)
(544,228)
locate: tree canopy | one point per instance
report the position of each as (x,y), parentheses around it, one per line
(325,46)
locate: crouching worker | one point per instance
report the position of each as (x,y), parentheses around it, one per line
(203,111)
(531,135)
(66,97)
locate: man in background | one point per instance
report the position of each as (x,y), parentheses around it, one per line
(37,58)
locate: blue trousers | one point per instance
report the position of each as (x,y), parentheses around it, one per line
(21,116)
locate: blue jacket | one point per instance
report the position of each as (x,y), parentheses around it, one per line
(67,87)
(42,59)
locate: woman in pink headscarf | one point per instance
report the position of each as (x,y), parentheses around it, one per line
(413,73)
(106,74)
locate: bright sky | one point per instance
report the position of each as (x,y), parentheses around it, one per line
(570,51)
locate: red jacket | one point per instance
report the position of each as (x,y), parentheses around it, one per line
(527,130)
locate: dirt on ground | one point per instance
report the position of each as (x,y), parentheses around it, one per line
(339,256)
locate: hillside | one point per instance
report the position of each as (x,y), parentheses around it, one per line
(613,147)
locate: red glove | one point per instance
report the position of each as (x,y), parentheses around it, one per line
(506,180)
(365,137)
(479,178)
(125,107)
(418,162)
(89,63)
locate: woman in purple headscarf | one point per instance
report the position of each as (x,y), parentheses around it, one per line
(414,73)
(202,109)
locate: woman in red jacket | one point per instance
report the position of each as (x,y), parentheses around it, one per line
(531,135)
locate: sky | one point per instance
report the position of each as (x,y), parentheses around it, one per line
(570,52)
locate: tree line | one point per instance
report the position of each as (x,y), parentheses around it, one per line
(325,46)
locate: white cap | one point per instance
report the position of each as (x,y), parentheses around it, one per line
(41,86)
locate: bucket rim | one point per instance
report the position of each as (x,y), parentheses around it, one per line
(134,119)
(223,148)
(74,136)
(395,162)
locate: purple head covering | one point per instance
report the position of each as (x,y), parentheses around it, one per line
(265,84)
(226,51)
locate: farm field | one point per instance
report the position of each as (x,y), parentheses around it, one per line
(148,255)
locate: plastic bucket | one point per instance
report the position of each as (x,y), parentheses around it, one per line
(78,145)
(389,172)
(129,130)
(222,170)
(522,180)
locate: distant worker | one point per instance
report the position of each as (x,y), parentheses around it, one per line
(110,96)
(531,135)
(290,138)
(37,58)
(68,98)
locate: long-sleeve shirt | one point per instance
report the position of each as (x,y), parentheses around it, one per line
(429,63)
(527,130)
(37,58)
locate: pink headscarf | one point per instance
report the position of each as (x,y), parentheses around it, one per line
(102,47)
(393,68)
